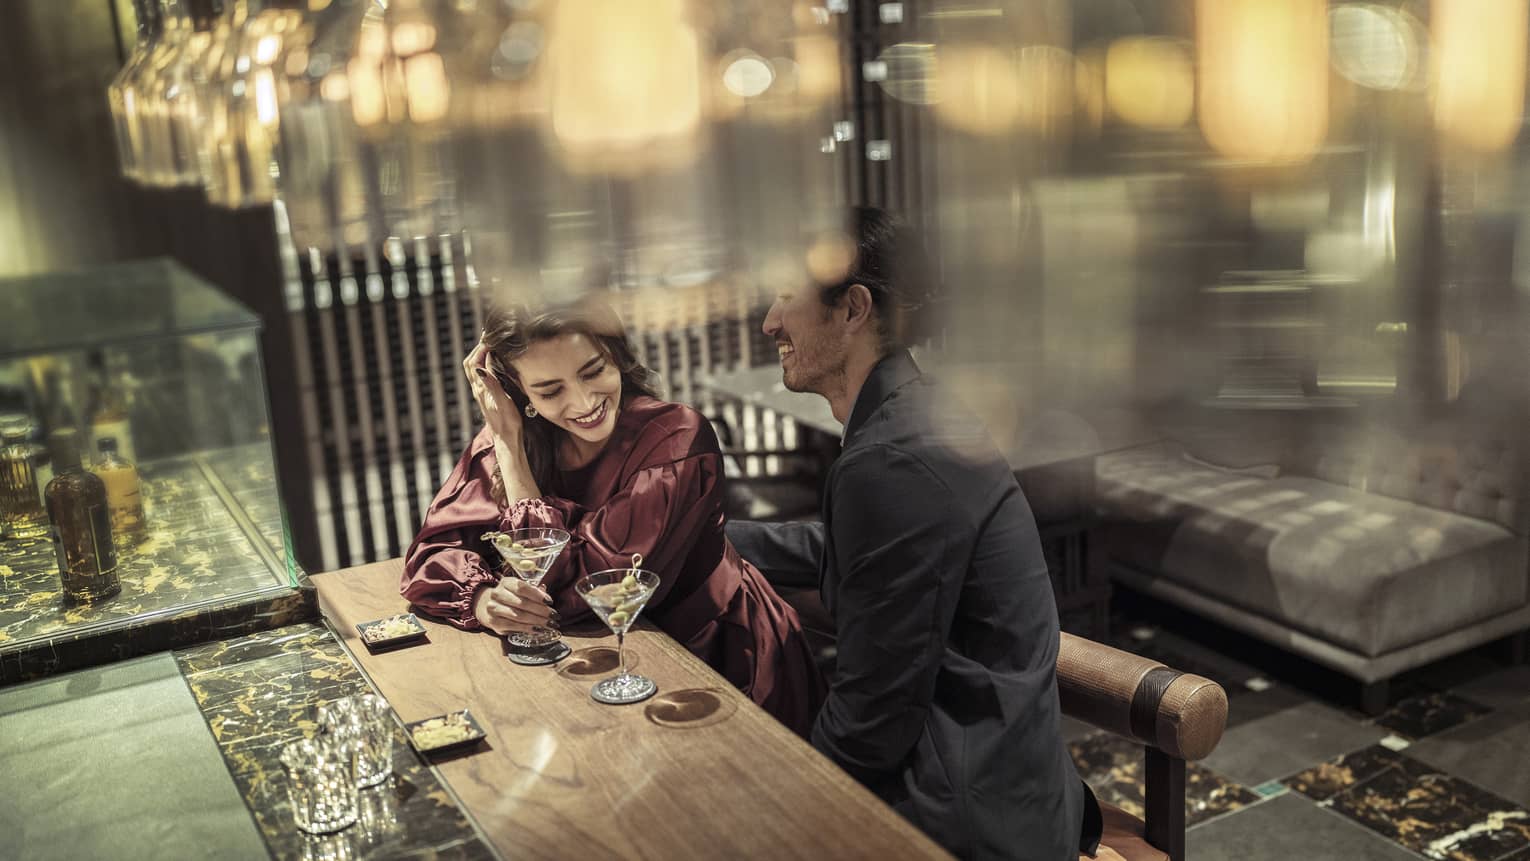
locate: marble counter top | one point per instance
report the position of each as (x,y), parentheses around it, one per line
(259,692)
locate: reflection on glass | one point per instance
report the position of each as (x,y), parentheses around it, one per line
(1477,70)
(169,157)
(364,99)
(625,83)
(240,128)
(1263,77)
(661,146)
(123,94)
(204,71)
(322,179)
(1150,82)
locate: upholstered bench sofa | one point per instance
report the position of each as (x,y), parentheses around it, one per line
(1370,549)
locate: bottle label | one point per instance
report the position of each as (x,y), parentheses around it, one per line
(44,475)
(101,539)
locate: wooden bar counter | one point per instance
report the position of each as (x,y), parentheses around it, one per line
(697,772)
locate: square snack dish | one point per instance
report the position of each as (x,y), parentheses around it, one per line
(444,732)
(391,631)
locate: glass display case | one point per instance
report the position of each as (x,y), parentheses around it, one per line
(138,495)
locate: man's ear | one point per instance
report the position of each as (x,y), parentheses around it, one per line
(858,309)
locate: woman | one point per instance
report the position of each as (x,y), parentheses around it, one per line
(575,438)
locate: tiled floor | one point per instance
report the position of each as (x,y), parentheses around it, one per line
(1444,774)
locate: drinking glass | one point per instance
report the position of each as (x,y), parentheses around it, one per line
(530,553)
(366,721)
(617,596)
(320,784)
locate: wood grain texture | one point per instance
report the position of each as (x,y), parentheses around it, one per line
(562,776)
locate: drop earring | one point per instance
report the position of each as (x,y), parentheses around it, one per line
(531,411)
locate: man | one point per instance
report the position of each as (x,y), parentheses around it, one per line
(944,692)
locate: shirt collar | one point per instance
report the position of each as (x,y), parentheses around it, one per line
(894,371)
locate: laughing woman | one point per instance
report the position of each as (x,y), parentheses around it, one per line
(576,438)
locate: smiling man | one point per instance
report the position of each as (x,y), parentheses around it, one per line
(944,694)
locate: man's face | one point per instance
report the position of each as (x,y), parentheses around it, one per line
(812,348)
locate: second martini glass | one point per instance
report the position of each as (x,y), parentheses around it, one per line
(530,553)
(617,596)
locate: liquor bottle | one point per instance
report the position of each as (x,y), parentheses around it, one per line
(21,508)
(82,532)
(109,416)
(124,502)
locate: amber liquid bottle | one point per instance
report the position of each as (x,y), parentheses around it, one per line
(21,509)
(82,533)
(124,502)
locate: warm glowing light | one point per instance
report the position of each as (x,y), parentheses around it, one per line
(624,78)
(1477,71)
(830,257)
(1263,77)
(747,76)
(413,37)
(1149,82)
(335,87)
(988,90)
(372,43)
(267,48)
(818,68)
(265,97)
(976,88)
(425,78)
(369,106)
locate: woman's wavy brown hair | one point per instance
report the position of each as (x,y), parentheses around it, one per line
(509,331)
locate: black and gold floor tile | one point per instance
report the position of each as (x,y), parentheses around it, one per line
(1427,713)
(1113,767)
(1429,812)
(1325,780)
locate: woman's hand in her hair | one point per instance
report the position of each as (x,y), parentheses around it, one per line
(513,605)
(499,412)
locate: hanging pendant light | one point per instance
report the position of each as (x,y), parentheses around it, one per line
(1477,71)
(170,157)
(1263,77)
(241,127)
(124,97)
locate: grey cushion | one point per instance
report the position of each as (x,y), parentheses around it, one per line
(1464,467)
(1368,572)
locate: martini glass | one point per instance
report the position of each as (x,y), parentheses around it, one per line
(617,596)
(530,553)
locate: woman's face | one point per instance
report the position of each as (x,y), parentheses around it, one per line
(573,384)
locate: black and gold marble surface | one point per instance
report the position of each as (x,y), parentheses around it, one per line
(1112,765)
(1430,712)
(260,692)
(1432,813)
(196,575)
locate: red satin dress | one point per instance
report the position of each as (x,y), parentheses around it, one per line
(655,489)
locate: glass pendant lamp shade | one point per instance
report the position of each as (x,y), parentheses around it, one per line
(1262,77)
(323,183)
(125,99)
(1477,71)
(167,103)
(241,127)
(363,127)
